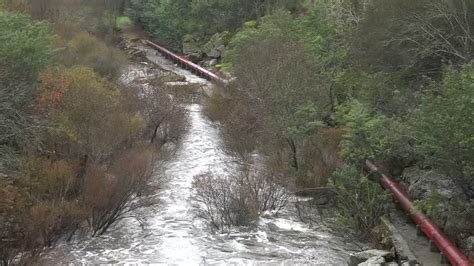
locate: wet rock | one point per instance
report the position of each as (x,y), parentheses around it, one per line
(273,227)
(321,200)
(373,261)
(124,44)
(272,239)
(396,240)
(137,54)
(360,257)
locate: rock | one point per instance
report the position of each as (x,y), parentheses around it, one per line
(212,62)
(422,184)
(215,47)
(214,53)
(321,200)
(447,198)
(138,54)
(373,261)
(402,248)
(273,227)
(191,49)
(468,245)
(124,44)
(359,257)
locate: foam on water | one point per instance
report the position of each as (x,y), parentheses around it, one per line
(173,234)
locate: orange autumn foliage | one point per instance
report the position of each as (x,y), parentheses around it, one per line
(52,89)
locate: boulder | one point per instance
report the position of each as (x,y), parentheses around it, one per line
(273,227)
(373,261)
(468,245)
(449,192)
(215,47)
(360,257)
(214,53)
(421,184)
(191,48)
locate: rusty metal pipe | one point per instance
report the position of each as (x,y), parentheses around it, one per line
(433,232)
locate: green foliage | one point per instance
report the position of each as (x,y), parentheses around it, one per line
(165,20)
(87,113)
(250,24)
(278,25)
(428,205)
(369,135)
(87,50)
(361,202)
(305,121)
(15,129)
(25,47)
(444,124)
(169,21)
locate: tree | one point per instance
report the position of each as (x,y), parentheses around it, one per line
(25,47)
(85,49)
(110,197)
(444,126)
(275,80)
(418,35)
(85,112)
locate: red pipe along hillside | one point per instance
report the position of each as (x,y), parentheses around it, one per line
(442,242)
(202,72)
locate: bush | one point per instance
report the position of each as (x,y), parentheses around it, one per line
(360,201)
(238,200)
(25,47)
(370,135)
(319,157)
(111,195)
(87,113)
(85,49)
(444,124)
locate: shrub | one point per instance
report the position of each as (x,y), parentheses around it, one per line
(360,201)
(238,200)
(444,124)
(85,49)
(25,47)
(111,195)
(369,135)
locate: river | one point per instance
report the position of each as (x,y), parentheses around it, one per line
(172,233)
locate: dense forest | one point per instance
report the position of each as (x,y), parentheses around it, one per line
(318,87)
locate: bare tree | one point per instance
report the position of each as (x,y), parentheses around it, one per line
(443,30)
(112,196)
(239,199)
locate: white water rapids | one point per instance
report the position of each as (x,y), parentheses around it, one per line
(172,232)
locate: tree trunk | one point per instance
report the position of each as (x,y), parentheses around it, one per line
(294,162)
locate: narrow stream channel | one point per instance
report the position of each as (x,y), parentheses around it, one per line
(172,232)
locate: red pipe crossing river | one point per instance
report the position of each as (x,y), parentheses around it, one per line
(202,72)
